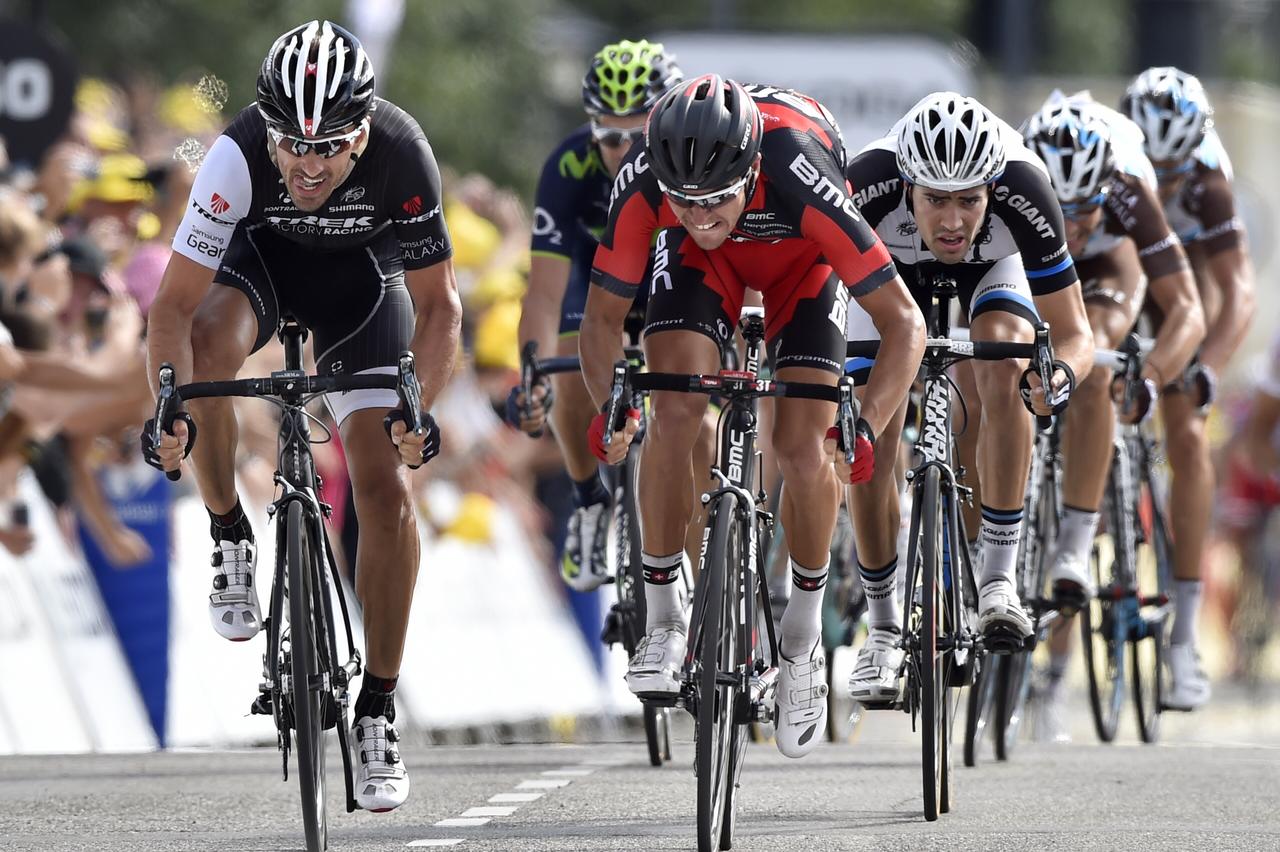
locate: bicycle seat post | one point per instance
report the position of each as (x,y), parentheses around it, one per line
(943,291)
(292,335)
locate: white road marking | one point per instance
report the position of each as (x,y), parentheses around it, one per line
(460,822)
(569,772)
(454,842)
(490,812)
(544,784)
(515,797)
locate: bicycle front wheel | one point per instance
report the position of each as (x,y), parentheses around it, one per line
(1154,565)
(717,693)
(981,706)
(1102,622)
(933,675)
(304,649)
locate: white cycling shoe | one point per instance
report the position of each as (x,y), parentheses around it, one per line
(381,782)
(1049,713)
(876,676)
(1000,613)
(1189,688)
(800,708)
(654,670)
(233,603)
(585,566)
(1070,579)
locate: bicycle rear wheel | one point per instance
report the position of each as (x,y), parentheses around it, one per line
(1102,628)
(716,655)
(1154,564)
(305,649)
(933,675)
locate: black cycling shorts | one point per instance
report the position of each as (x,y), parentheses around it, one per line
(353,301)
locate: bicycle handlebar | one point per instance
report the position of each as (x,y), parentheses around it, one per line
(978,350)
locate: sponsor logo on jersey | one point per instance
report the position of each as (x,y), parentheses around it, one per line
(544,225)
(355,193)
(1029,211)
(218,204)
(199,208)
(762,216)
(907,228)
(423,248)
(877,190)
(822,186)
(321,225)
(660,261)
(421,217)
(413,206)
(350,208)
(627,174)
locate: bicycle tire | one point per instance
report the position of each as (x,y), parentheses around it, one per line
(933,684)
(715,698)
(308,708)
(653,734)
(631,580)
(752,645)
(1101,627)
(1154,564)
(1012,690)
(981,707)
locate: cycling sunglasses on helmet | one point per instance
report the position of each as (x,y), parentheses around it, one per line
(707,200)
(327,147)
(1163,174)
(1083,207)
(615,137)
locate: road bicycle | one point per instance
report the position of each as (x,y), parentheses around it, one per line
(305,681)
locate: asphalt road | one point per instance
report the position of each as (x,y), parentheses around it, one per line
(1213,783)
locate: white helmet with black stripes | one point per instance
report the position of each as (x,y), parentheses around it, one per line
(949,142)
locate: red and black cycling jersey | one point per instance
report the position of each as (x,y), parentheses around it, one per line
(395,185)
(1203,211)
(1023,216)
(800,202)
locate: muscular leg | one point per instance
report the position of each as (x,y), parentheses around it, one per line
(222,334)
(874,506)
(810,499)
(387,556)
(1191,497)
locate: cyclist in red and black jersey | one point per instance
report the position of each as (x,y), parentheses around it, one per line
(322,202)
(1194,174)
(745,189)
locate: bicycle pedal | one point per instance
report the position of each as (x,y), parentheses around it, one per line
(886,704)
(659,699)
(261,705)
(1002,641)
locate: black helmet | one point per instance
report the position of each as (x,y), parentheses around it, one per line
(315,81)
(703,135)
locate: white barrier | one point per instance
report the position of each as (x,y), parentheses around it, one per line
(64,684)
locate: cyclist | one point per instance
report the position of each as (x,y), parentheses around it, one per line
(320,201)
(744,189)
(1195,175)
(1122,245)
(952,190)
(625,79)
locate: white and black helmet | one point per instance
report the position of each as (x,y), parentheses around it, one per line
(1172,109)
(1073,138)
(316,81)
(949,142)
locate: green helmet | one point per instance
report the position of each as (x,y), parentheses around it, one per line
(627,78)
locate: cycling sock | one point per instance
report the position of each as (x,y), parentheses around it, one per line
(881,588)
(1001,533)
(1058,666)
(1186,607)
(661,592)
(589,492)
(1075,535)
(233,526)
(802,619)
(377,697)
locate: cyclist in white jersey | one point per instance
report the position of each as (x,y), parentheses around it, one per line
(1194,174)
(1126,254)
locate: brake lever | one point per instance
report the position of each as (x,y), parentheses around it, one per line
(849,410)
(1044,366)
(410,393)
(167,401)
(528,376)
(617,394)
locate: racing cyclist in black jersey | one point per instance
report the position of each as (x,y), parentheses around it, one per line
(572,204)
(322,202)
(952,191)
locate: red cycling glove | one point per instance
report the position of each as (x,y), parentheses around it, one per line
(595,433)
(864,451)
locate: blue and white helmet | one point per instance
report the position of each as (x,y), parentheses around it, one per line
(1073,138)
(949,142)
(1172,109)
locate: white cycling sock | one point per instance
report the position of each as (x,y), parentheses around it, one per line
(1075,535)
(1186,607)
(1001,534)
(881,587)
(802,619)
(661,591)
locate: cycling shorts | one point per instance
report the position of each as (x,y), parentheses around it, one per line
(703,292)
(353,301)
(1248,498)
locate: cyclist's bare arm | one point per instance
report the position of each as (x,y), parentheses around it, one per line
(437,327)
(600,340)
(183,287)
(1183,327)
(901,328)
(1233,274)
(540,308)
(1069,329)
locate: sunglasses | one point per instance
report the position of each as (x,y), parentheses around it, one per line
(1175,171)
(615,137)
(328,147)
(1082,208)
(708,200)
